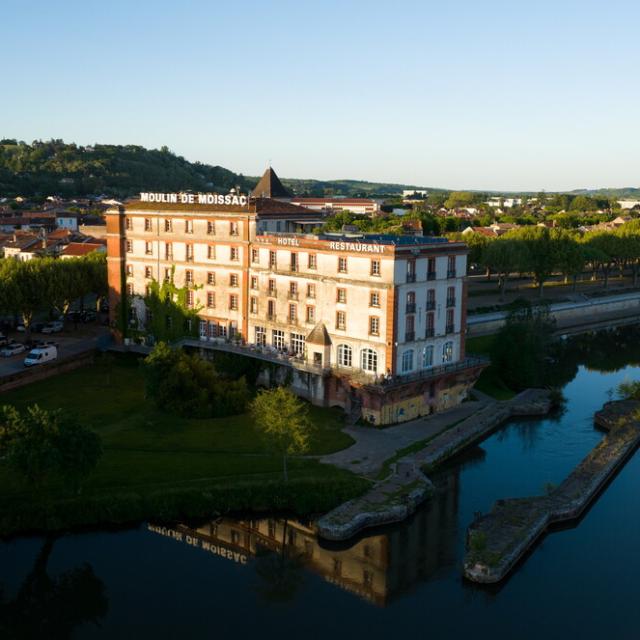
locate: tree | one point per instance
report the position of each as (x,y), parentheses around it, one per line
(284,422)
(539,255)
(503,257)
(571,256)
(38,444)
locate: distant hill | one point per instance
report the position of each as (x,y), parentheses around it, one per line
(625,193)
(58,168)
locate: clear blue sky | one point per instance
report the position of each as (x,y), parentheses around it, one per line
(458,94)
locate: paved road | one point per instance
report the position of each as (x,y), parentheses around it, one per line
(70,342)
(373,446)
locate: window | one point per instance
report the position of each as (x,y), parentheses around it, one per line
(312,261)
(253,304)
(375,267)
(311,291)
(271,309)
(293,313)
(297,342)
(272,259)
(272,287)
(233,302)
(188,276)
(451,267)
(341,320)
(261,341)
(128,224)
(211,228)
(431,269)
(254,282)
(211,277)
(168,226)
(188,226)
(167,274)
(411,302)
(311,314)
(148,272)
(449,326)
(427,357)
(409,329)
(342,265)
(148,248)
(430,326)
(168,251)
(374,326)
(407,361)
(255,255)
(345,355)
(293,290)
(147,224)
(374,299)
(129,246)
(211,252)
(451,296)
(234,229)
(411,270)
(277,339)
(431,300)
(447,352)
(341,295)
(190,298)
(129,270)
(234,280)
(129,289)
(369,360)
(293,262)
(234,254)
(189,252)
(211,299)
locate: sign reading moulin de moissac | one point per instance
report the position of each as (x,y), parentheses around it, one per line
(194,198)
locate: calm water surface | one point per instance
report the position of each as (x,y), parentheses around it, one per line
(270,577)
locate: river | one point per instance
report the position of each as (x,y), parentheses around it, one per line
(270,576)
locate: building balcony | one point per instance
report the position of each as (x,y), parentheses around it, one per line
(411,307)
(451,273)
(293,268)
(431,275)
(451,302)
(410,336)
(271,317)
(273,293)
(431,305)
(430,332)
(449,329)
(411,277)
(293,295)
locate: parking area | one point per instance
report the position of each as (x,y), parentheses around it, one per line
(70,341)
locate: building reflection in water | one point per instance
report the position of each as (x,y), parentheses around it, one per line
(377,567)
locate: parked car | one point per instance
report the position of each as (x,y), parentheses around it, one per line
(53,327)
(12,349)
(3,340)
(40,355)
(36,327)
(88,316)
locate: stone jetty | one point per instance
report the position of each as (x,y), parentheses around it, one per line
(498,540)
(399,495)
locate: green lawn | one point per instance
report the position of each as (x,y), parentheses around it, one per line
(146,448)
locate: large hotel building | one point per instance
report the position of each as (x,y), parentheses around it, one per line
(371,323)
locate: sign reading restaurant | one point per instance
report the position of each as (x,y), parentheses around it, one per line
(342,245)
(194,198)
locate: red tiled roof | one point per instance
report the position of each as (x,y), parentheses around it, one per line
(80,248)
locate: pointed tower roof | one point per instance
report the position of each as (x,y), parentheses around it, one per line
(270,186)
(319,335)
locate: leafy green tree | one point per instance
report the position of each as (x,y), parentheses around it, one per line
(571,256)
(284,422)
(78,451)
(539,254)
(503,256)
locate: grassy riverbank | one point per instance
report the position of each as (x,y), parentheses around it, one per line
(163,466)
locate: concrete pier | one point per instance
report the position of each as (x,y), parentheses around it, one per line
(498,540)
(399,495)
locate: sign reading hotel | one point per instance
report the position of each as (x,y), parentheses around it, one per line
(342,245)
(194,198)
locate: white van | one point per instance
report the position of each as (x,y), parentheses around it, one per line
(39,355)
